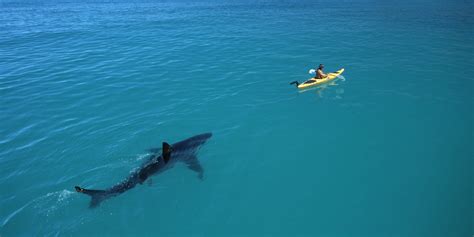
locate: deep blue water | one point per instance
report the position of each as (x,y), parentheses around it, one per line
(86,88)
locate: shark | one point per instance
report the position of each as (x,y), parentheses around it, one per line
(184,151)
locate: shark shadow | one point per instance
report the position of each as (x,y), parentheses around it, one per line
(184,151)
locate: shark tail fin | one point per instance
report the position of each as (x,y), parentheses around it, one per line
(166,151)
(97,196)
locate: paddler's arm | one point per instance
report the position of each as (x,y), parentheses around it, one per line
(321,74)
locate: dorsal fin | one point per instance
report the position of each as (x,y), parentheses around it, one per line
(166,152)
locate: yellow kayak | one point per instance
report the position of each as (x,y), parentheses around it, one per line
(316,82)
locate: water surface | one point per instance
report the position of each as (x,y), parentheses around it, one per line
(86,88)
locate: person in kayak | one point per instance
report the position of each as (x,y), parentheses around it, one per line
(319,73)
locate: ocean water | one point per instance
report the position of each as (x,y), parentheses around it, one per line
(87,87)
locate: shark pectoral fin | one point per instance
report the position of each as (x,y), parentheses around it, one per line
(198,168)
(166,152)
(193,164)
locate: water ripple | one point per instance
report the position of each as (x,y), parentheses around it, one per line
(87,87)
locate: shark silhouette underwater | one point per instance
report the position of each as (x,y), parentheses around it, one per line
(184,151)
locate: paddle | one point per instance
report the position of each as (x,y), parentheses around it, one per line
(311,71)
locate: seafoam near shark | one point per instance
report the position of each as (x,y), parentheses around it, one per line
(161,160)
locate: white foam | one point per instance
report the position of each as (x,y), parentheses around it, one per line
(39,203)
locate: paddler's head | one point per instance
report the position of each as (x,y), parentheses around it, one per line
(321,66)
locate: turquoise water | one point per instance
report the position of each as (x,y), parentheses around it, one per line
(86,88)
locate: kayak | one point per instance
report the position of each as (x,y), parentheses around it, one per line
(316,82)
